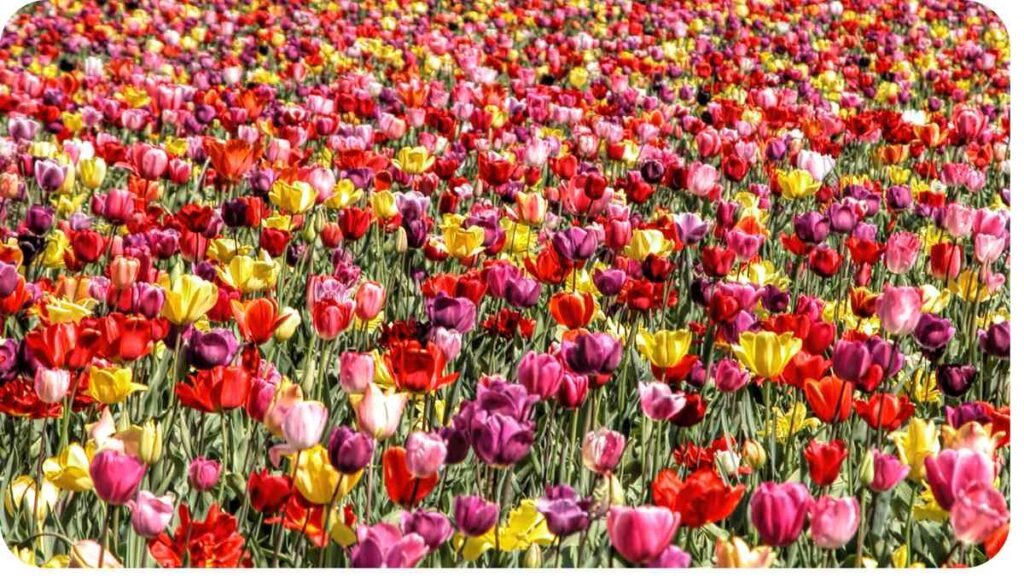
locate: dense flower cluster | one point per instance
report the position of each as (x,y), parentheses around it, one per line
(543,283)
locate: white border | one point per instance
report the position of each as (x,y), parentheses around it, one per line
(1009,559)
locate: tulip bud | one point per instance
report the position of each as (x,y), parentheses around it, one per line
(286,329)
(424,453)
(151,442)
(401,241)
(754,454)
(203,474)
(534,557)
(866,470)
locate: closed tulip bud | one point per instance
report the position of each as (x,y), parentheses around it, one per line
(754,454)
(369,300)
(349,451)
(602,450)
(424,454)
(151,442)
(474,516)
(779,511)
(203,474)
(286,329)
(834,521)
(401,241)
(534,557)
(541,374)
(866,469)
(51,385)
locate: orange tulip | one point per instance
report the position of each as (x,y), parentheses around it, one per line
(572,309)
(232,159)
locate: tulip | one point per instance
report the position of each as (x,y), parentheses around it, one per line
(378,414)
(424,453)
(953,471)
(116,476)
(834,521)
(766,354)
(664,348)
(317,481)
(433,527)
(151,514)
(540,373)
(51,385)
(355,372)
(565,512)
(293,197)
(797,184)
(303,425)
(602,450)
(110,385)
(203,474)
(188,299)
(416,160)
(899,310)
(915,445)
(91,554)
(955,380)
(996,340)
(735,553)
(933,332)
(206,350)
(593,353)
(349,451)
(978,513)
(474,516)
(659,402)
(384,546)
(850,360)
(369,299)
(641,534)
(901,252)
(825,460)
(778,511)
(69,470)
(888,471)
(730,376)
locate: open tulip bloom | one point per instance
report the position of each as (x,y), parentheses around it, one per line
(426,283)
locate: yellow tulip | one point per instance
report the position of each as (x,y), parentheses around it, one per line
(383,204)
(57,245)
(919,441)
(189,298)
(766,353)
(248,274)
(287,328)
(293,197)
(971,436)
(664,348)
(735,553)
(785,424)
(525,526)
(463,242)
(69,470)
(144,442)
(797,184)
(345,194)
(317,480)
(647,242)
(92,172)
(21,495)
(416,160)
(112,385)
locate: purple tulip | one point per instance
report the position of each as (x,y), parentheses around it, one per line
(49,175)
(609,281)
(433,527)
(349,451)
(541,373)
(454,313)
(956,379)
(933,332)
(206,350)
(596,353)
(566,513)
(522,292)
(778,511)
(996,340)
(575,244)
(501,440)
(851,360)
(811,227)
(474,516)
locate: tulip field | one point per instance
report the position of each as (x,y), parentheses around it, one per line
(539,283)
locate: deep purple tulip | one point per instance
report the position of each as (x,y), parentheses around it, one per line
(850,360)
(39,219)
(933,332)
(956,380)
(996,340)
(522,292)
(501,440)
(474,516)
(349,451)
(206,350)
(609,281)
(8,279)
(811,227)
(49,175)
(596,353)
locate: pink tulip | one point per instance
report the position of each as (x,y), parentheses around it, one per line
(988,248)
(977,513)
(424,453)
(541,373)
(901,252)
(899,309)
(369,299)
(602,450)
(304,425)
(641,534)
(954,471)
(355,372)
(151,514)
(377,413)
(203,474)
(958,220)
(51,385)
(834,521)
(778,511)
(116,476)
(659,402)
(889,471)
